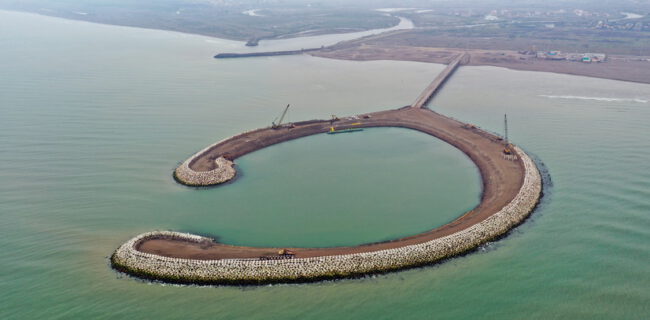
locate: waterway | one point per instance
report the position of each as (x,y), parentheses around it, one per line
(321,40)
(94,118)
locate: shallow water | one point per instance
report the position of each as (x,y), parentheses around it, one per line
(94,118)
(322,40)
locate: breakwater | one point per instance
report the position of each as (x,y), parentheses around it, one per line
(213,165)
(255,271)
(223,172)
(511,190)
(263,54)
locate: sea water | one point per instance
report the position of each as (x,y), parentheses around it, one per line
(94,118)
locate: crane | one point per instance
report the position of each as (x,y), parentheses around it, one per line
(279,124)
(508,148)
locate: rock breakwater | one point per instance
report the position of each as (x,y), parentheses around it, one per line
(254,271)
(223,172)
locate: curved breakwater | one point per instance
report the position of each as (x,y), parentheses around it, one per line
(255,271)
(511,190)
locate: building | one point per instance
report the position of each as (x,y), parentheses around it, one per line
(594,57)
(583,57)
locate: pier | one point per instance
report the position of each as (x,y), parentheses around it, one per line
(227,55)
(439,81)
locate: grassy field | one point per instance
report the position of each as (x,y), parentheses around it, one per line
(238,20)
(517,38)
(573,25)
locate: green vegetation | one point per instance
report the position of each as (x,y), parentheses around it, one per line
(621,27)
(239,20)
(525,37)
(573,26)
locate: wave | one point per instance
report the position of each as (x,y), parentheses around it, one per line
(596,98)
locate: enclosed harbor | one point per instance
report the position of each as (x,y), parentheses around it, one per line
(512,187)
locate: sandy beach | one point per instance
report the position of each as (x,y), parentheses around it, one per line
(624,68)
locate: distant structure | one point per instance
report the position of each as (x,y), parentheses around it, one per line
(508,153)
(581,57)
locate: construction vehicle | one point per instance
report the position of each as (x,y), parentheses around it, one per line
(335,131)
(508,149)
(285,252)
(279,124)
(282,254)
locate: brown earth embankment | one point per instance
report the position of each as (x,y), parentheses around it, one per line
(502,181)
(624,68)
(224,266)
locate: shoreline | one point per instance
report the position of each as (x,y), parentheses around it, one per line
(242,40)
(619,68)
(559,70)
(337,51)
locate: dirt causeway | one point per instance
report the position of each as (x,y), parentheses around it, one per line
(501,178)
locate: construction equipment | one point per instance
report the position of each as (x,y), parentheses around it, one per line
(285,252)
(508,148)
(335,131)
(282,254)
(279,124)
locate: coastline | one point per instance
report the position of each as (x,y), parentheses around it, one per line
(356,50)
(212,35)
(621,68)
(630,72)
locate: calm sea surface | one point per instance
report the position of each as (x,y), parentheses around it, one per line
(94,118)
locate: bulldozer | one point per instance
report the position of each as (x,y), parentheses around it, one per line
(286,253)
(507,149)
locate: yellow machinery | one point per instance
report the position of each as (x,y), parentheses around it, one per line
(285,252)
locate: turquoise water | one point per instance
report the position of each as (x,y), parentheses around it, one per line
(94,118)
(337,190)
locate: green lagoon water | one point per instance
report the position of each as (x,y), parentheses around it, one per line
(94,118)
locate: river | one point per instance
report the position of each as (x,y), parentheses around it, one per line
(94,118)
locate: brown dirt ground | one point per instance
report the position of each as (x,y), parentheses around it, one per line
(501,179)
(623,68)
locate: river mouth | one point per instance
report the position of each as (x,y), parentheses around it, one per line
(349,189)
